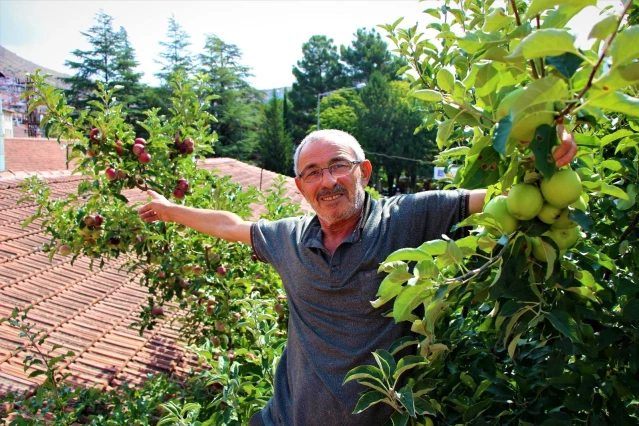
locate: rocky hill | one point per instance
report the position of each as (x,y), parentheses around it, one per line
(12,65)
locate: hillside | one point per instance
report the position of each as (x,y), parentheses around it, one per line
(14,66)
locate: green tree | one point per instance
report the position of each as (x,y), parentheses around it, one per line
(175,56)
(111,60)
(319,71)
(339,111)
(236,103)
(274,142)
(369,53)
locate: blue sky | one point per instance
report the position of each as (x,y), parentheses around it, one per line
(269,33)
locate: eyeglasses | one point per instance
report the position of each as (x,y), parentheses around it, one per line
(338,169)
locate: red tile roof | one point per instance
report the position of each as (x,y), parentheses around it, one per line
(86,311)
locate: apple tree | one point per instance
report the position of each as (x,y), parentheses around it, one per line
(531,318)
(231,307)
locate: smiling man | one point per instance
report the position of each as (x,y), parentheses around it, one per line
(328,264)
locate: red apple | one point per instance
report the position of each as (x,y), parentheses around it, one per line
(221,271)
(119,147)
(178,194)
(189,150)
(236,316)
(138,149)
(89,220)
(157,311)
(91,153)
(121,175)
(114,241)
(220,325)
(139,239)
(183,185)
(182,148)
(231,355)
(189,142)
(111,174)
(161,274)
(144,158)
(198,270)
(95,135)
(279,308)
(215,341)
(64,250)
(97,220)
(140,141)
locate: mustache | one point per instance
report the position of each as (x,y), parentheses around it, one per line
(332,191)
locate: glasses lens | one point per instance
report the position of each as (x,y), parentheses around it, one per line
(340,169)
(312,175)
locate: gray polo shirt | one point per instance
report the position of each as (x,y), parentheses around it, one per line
(332,326)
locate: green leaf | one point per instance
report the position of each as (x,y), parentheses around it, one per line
(559,17)
(543,142)
(426,269)
(624,47)
(496,20)
(631,310)
(631,191)
(481,170)
(539,92)
(475,410)
(428,95)
(368,399)
(434,247)
(604,28)
(409,255)
(542,43)
(409,298)
(486,80)
(485,384)
(538,6)
(405,396)
(446,80)
(444,130)
(565,324)
(615,101)
(615,136)
(567,64)
(365,371)
(513,345)
(617,78)
(502,133)
(402,343)
(386,362)
(399,419)
(408,362)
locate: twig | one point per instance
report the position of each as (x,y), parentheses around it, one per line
(518,20)
(541,60)
(588,85)
(475,272)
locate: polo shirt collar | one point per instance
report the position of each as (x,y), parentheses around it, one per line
(312,237)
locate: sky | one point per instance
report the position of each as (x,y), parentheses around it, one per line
(269,33)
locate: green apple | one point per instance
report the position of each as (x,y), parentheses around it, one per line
(524,201)
(498,208)
(562,189)
(563,222)
(549,214)
(564,238)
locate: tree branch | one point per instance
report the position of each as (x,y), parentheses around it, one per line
(518,20)
(591,77)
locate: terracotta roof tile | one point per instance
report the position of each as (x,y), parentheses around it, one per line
(86,311)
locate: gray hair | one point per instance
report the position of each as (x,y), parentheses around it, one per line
(331,135)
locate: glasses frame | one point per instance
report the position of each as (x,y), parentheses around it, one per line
(353,164)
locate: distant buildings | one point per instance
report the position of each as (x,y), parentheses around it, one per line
(279,93)
(16,120)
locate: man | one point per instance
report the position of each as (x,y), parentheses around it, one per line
(328,264)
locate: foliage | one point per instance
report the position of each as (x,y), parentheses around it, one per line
(235,106)
(236,312)
(504,338)
(319,71)
(274,142)
(111,60)
(176,58)
(369,53)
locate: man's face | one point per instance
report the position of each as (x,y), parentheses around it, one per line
(333,199)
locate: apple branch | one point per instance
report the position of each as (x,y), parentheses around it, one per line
(591,77)
(476,272)
(518,20)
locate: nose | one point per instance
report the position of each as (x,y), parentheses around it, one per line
(330,177)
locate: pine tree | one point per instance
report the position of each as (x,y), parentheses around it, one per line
(319,71)
(274,142)
(110,61)
(236,104)
(175,56)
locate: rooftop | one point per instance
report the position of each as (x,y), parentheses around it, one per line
(87,311)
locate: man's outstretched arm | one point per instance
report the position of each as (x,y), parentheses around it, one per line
(217,223)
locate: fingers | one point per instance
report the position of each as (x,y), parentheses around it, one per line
(565,152)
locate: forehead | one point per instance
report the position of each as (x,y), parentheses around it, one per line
(322,151)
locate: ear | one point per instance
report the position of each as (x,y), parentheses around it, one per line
(367,170)
(298,183)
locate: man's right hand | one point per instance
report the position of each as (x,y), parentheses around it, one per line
(156,209)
